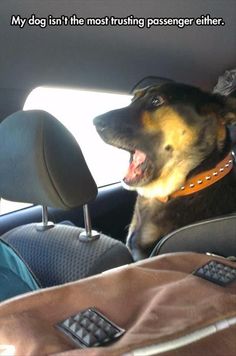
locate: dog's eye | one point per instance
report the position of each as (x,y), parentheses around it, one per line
(156,101)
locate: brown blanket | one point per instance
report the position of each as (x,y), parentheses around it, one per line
(155,301)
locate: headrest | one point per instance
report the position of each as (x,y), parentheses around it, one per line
(41,162)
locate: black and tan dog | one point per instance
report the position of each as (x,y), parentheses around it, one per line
(181,163)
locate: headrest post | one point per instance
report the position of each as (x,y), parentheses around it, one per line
(88,234)
(44,215)
(45,224)
(87,220)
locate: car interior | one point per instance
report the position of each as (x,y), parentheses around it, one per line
(72,227)
(75,216)
(109,59)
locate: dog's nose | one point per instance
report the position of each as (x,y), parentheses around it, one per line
(99,121)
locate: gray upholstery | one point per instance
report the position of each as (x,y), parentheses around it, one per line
(57,255)
(217,236)
(41,162)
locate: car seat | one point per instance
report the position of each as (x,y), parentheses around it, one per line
(215,236)
(41,163)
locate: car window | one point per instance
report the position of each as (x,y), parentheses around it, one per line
(76,109)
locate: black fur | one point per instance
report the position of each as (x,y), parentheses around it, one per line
(203,113)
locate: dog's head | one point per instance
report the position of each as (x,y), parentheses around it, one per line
(168,130)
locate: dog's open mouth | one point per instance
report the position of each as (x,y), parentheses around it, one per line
(140,169)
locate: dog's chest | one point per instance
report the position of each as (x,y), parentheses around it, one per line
(150,221)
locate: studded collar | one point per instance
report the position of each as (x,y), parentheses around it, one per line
(205,179)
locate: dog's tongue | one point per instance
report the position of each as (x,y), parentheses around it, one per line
(134,169)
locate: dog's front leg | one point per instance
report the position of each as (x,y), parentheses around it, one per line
(132,235)
(134,238)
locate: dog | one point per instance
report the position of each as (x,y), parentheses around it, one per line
(181,165)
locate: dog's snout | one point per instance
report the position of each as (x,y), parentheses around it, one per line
(99,122)
(112,118)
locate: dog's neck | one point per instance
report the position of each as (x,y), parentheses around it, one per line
(205,179)
(162,189)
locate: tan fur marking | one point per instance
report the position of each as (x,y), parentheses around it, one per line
(176,132)
(181,138)
(172,178)
(149,234)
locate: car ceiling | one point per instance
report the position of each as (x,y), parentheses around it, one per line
(113,58)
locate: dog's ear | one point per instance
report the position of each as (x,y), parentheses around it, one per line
(229,112)
(224,110)
(227,117)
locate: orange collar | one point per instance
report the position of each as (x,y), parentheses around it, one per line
(205,179)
